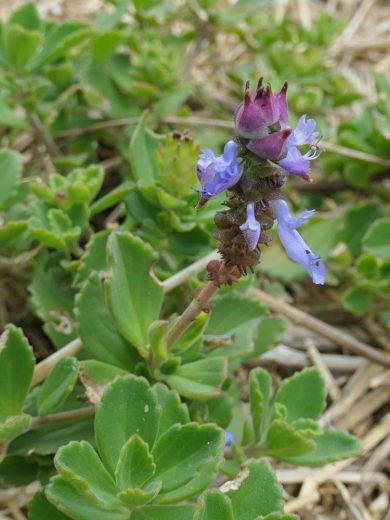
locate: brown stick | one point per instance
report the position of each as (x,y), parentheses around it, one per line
(306,320)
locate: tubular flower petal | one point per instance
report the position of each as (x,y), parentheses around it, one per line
(270,147)
(217,174)
(304,133)
(293,243)
(262,110)
(251,228)
(298,164)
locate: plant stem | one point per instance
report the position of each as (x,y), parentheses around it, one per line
(199,302)
(81,413)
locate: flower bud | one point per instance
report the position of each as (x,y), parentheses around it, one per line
(261,113)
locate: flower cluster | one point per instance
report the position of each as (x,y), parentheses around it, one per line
(253,168)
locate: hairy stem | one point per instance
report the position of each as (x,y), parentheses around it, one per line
(199,302)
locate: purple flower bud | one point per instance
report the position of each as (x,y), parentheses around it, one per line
(251,228)
(294,245)
(217,174)
(230,438)
(258,112)
(304,133)
(271,147)
(298,164)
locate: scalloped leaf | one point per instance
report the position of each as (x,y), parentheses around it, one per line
(174,411)
(214,505)
(303,395)
(284,441)
(80,465)
(199,380)
(135,465)
(127,407)
(247,500)
(71,502)
(134,295)
(331,445)
(181,454)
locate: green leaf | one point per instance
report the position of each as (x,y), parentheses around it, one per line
(199,380)
(127,407)
(376,240)
(59,40)
(303,395)
(47,440)
(163,513)
(18,471)
(13,426)
(357,300)
(97,330)
(134,295)
(113,197)
(10,234)
(10,173)
(214,505)
(21,45)
(135,465)
(357,221)
(269,331)
(40,508)
(54,307)
(71,502)
(26,16)
(96,376)
(142,149)
(237,316)
(136,496)
(330,446)
(174,412)
(79,464)
(58,385)
(104,44)
(9,116)
(192,334)
(284,441)
(259,395)
(181,453)
(157,340)
(16,368)
(247,501)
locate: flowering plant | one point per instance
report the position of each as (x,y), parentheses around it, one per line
(254,168)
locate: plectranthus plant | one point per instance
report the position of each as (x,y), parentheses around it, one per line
(253,168)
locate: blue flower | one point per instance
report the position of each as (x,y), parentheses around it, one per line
(230,438)
(294,245)
(304,133)
(217,174)
(251,228)
(295,162)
